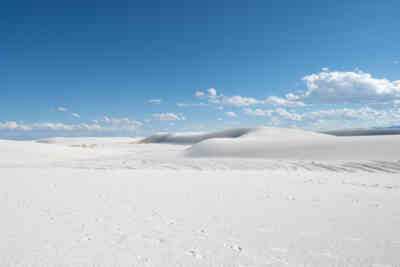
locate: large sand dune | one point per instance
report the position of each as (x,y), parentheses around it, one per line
(273,143)
(192,138)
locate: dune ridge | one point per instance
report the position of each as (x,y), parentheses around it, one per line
(291,144)
(192,138)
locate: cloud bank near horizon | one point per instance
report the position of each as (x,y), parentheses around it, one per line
(330,100)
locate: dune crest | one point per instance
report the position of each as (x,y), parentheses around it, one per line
(192,138)
(259,132)
(293,144)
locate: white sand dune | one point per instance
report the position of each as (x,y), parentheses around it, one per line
(192,138)
(237,149)
(249,197)
(286,144)
(273,143)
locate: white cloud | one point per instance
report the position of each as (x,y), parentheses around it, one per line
(107,119)
(13,125)
(62,109)
(288,115)
(114,125)
(258,112)
(155,101)
(200,94)
(121,123)
(76,115)
(191,104)
(340,87)
(230,114)
(279,112)
(292,97)
(243,101)
(277,101)
(365,114)
(240,101)
(212,92)
(168,117)
(9,125)
(325,69)
(53,126)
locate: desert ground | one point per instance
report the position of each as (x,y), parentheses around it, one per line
(240,197)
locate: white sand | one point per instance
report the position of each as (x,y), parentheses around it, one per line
(114,202)
(287,144)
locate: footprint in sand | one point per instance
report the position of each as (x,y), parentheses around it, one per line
(202,233)
(234,247)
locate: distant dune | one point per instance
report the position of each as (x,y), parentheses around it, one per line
(192,138)
(280,143)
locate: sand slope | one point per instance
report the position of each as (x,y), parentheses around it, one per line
(298,145)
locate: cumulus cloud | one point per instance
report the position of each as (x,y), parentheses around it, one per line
(230,114)
(279,112)
(44,126)
(106,119)
(326,87)
(76,115)
(191,104)
(168,117)
(240,101)
(243,101)
(155,101)
(200,94)
(289,102)
(292,97)
(339,87)
(13,125)
(288,115)
(62,109)
(259,112)
(212,92)
(112,125)
(121,123)
(365,114)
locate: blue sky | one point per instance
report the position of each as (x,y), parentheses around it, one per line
(137,67)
